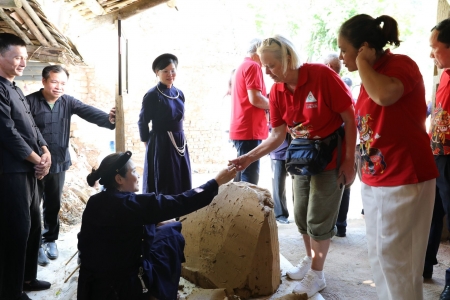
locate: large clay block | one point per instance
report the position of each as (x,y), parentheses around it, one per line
(217,294)
(233,243)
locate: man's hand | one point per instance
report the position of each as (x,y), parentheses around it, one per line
(166,222)
(112,115)
(42,168)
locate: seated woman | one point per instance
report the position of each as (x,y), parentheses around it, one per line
(125,252)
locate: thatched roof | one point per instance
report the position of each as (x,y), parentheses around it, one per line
(45,43)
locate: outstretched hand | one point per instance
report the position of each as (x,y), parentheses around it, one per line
(225,175)
(112,115)
(240,163)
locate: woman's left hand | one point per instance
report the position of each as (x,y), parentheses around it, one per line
(240,163)
(367,54)
(347,172)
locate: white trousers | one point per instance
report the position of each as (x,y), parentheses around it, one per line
(398,223)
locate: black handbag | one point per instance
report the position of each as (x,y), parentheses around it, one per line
(310,157)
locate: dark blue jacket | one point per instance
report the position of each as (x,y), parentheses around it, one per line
(55,124)
(19,136)
(112,236)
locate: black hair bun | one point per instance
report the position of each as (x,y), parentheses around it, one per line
(92,177)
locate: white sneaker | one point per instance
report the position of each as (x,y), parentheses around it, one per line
(311,284)
(300,270)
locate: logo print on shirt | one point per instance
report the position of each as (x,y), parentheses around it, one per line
(311,101)
(440,128)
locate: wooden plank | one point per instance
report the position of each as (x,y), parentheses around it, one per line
(14,27)
(10,3)
(32,27)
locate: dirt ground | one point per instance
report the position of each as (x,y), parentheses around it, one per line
(347,270)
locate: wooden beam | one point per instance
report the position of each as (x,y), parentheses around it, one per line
(39,23)
(119,5)
(32,27)
(10,3)
(95,7)
(16,28)
(138,7)
(128,11)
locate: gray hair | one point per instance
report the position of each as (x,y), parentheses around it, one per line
(253,46)
(282,49)
(330,57)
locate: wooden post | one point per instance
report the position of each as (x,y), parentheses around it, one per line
(120,123)
(120,119)
(10,3)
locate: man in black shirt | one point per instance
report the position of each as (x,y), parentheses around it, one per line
(24,158)
(52,111)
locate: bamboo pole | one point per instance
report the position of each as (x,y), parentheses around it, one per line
(39,23)
(16,28)
(10,3)
(72,273)
(32,27)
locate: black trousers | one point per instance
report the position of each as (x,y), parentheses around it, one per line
(279,174)
(341,222)
(20,232)
(441,208)
(50,189)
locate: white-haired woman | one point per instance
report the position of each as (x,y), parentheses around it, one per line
(313,102)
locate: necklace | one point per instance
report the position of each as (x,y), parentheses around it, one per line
(176,97)
(180,150)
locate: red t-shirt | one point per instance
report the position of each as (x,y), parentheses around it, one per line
(313,110)
(248,122)
(440,120)
(395,145)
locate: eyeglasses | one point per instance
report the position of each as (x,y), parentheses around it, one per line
(269,41)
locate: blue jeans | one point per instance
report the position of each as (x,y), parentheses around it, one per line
(251,173)
(279,174)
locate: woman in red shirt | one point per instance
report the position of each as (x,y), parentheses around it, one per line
(313,102)
(398,173)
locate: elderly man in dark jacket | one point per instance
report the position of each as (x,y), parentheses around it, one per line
(24,158)
(52,111)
